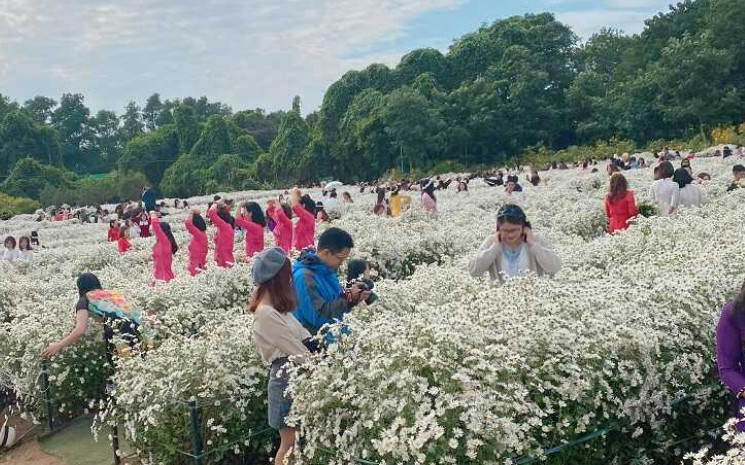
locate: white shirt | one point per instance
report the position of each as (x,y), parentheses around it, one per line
(10,255)
(25,255)
(690,196)
(523,262)
(665,193)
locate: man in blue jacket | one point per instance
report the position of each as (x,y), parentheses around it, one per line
(321,299)
(148,198)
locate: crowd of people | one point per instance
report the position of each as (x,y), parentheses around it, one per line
(295,301)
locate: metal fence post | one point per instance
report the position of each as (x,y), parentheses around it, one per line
(47,393)
(196,433)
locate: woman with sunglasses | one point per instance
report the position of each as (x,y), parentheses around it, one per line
(513,249)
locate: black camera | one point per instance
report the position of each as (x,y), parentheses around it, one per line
(364,285)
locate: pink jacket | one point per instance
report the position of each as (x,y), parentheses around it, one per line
(283,230)
(197,248)
(224,240)
(428,203)
(305,229)
(162,255)
(254,236)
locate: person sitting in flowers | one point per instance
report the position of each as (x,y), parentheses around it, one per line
(321,299)
(513,249)
(730,358)
(278,336)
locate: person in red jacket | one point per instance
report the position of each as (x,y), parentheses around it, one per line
(165,248)
(281,214)
(123,242)
(252,219)
(225,237)
(620,205)
(197,227)
(304,208)
(113,231)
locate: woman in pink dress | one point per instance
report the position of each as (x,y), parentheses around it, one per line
(305,229)
(165,248)
(281,214)
(251,218)
(225,238)
(197,227)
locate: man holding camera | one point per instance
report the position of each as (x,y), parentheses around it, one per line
(321,299)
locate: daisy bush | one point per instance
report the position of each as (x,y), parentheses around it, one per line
(444,368)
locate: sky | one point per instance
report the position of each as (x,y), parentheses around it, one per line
(245,53)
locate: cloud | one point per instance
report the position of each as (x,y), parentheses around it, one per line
(586,23)
(245,53)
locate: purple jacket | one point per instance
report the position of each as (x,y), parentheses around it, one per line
(730,359)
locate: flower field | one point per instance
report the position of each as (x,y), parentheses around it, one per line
(444,368)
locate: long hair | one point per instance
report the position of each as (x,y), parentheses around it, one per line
(618,187)
(308,204)
(286,208)
(682,177)
(198,222)
(11,240)
(25,239)
(281,290)
(257,215)
(226,216)
(167,230)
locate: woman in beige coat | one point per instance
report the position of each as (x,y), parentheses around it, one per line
(513,249)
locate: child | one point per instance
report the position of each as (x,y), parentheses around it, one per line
(251,218)
(10,254)
(197,227)
(25,252)
(164,249)
(113,231)
(123,242)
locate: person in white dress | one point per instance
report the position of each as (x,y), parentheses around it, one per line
(690,194)
(25,252)
(10,254)
(664,192)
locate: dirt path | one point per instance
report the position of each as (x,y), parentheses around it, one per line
(29,453)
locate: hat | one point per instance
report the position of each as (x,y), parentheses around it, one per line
(319,204)
(267,264)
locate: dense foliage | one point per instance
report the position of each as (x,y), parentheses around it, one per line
(521,85)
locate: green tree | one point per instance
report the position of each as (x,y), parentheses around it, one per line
(414,126)
(214,141)
(692,79)
(28,178)
(40,108)
(20,137)
(260,125)
(367,151)
(107,142)
(151,112)
(187,127)
(71,121)
(288,147)
(151,153)
(132,124)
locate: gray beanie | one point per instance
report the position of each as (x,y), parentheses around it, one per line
(267,264)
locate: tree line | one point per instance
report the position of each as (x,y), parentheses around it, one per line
(514,87)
